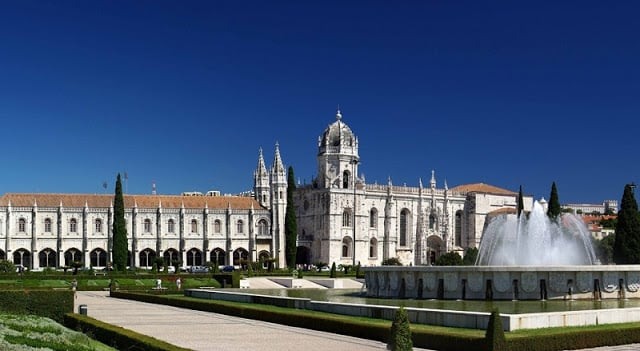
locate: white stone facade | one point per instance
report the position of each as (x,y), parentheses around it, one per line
(414,224)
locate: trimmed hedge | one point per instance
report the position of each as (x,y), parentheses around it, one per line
(116,337)
(52,304)
(359,327)
(580,338)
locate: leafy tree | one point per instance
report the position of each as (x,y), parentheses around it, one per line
(520,201)
(120,243)
(290,224)
(470,256)
(554,209)
(392,261)
(158,263)
(7,266)
(400,334)
(332,273)
(609,223)
(449,259)
(604,248)
(494,337)
(626,249)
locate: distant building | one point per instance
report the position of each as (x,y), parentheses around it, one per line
(607,206)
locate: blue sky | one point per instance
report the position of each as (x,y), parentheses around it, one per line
(184,93)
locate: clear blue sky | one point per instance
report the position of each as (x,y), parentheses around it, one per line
(185,92)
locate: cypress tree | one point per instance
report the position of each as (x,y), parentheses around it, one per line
(332,272)
(626,248)
(494,337)
(400,334)
(120,243)
(290,224)
(554,203)
(520,201)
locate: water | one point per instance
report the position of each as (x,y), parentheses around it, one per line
(536,241)
(509,307)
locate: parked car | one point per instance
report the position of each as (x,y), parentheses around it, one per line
(198,269)
(227,269)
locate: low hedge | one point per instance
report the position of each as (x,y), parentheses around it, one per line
(116,337)
(576,338)
(228,280)
(52,304)
(368,328)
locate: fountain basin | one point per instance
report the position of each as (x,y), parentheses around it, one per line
(504,282)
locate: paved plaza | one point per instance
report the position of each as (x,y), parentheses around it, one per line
(212,331)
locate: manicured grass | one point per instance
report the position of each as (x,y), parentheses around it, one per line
(34,281)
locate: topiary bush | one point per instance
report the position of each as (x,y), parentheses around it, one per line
(494,337)
(400,334)
(332,274)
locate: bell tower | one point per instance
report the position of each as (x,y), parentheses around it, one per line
(337,156)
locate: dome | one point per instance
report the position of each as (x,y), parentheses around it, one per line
(337,134)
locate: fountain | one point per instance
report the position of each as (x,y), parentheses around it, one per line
(520,258)
(536,240)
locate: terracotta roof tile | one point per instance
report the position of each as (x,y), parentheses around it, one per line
(482,188)
(142,201)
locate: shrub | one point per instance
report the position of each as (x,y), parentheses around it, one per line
(494,337)
(332,274)
(118,337)
(400,335)
(392,261)
(7,266)
(45,303)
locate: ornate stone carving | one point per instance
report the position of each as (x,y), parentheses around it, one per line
(529,282)
(393,281)
(584,281)
(501,281)
(475,281)
(558,282)
(633,281)
(430,281)
(450,281)
(610,281)
(410,281)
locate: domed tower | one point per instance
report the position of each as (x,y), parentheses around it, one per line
(337,156)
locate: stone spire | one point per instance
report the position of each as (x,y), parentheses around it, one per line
(432,183)
(261,170)
(277,161)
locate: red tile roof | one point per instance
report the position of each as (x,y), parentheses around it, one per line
(142,201)
(482,188)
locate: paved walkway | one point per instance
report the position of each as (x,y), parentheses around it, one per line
(211,331)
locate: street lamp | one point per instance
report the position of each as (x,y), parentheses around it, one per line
(354,162)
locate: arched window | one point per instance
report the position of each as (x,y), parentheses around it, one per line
(73,225)
(147,256)
(218,256)
(373,218)
(263,227)
(216,226)
(432,221)
(98,258)
(171,226)
(346,218)
(240,257)
(47,258)
(240,226)
(171,256)
(458,228)
(147,225)
(98,225)
(373,248)
(22,257)
(194,226)
(22,225)
(346,179)
(72,255)
(194,257)
(47,225)
(346,247)
(404,227)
